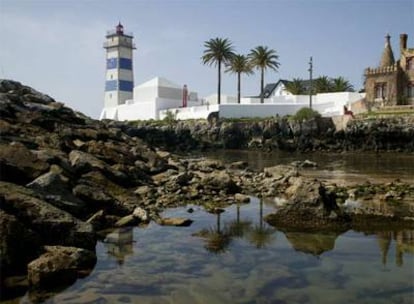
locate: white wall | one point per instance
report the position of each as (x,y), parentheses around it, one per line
(257,110)
(197,112)
(134,111)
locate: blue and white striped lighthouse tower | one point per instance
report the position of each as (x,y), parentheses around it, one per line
(119,83)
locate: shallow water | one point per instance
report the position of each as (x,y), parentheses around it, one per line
(345,167)
(237,258)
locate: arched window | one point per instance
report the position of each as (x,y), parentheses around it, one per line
(380,90)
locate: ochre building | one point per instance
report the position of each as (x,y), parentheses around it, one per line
(392,83)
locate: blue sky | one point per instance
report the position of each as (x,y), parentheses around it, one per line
(56,45)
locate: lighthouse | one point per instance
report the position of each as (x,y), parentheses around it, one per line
(119,82)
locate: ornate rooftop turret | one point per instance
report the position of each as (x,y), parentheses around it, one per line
(387,58)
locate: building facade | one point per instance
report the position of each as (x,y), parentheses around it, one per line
(119,84)
(392,82)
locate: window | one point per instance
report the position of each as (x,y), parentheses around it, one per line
(380,90)
(410,63)
(410,90)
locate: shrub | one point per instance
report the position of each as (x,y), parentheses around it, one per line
(305,114)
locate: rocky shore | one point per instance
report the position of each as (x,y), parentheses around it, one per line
(280,134)
(64,176)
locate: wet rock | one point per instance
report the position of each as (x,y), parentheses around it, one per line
(15,239)
(53,225)
(97,220)
(242,198)
(19,165)
(219,180)
(311,205)
(60,265)
(129,220)
(175,221)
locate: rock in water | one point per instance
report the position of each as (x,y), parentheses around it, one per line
(60,265)
(175,221)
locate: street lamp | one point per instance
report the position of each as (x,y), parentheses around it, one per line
(310,79)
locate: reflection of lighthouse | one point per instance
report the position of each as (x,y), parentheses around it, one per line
(185,96)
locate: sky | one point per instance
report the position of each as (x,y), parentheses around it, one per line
(55,46)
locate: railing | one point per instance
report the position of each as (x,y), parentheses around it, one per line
(113,32)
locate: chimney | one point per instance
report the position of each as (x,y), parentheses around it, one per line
(403,42)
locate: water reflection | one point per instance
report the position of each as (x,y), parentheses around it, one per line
(312,243)
(261,234)
(404,244)
(217,239)
(119,243)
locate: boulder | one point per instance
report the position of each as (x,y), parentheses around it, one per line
(219,181)
(83,162)
(19,165)
(59,266)
(15,239)
(53,225)
(309,206)
(56,188)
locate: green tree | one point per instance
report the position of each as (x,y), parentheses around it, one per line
(263,58)
(340,84)
(239,64)
(322,84)
(217,51)
(296,86)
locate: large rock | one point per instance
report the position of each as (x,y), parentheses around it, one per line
(83,162)
(19,165)
(309,205)
(53,225)
(219,181)
(57,190)
(60,265)
(15,239)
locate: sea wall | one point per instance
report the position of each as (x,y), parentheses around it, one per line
(318,134)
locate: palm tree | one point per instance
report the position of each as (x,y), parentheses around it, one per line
(218,51)
(322,84)
(263,58)
(295,86)
(340,84)
(239,64)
